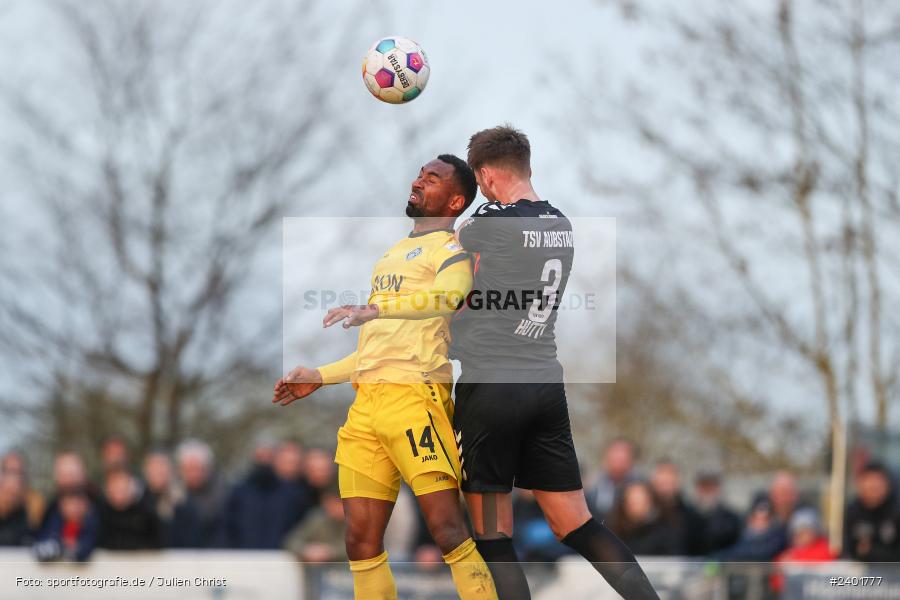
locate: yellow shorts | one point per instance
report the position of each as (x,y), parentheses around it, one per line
(396,430)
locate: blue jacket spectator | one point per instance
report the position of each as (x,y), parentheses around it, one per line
(289,465)
(262,509)
(533,538)
(70,533)
(69,474)
(763,538)
(618,469)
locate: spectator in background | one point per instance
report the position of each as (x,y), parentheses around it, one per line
(14,529)
(114,454)
(763,537)
(721,525)
(675,510)
(163,491)
(320,536)
(320,472)
(617,470)
(70,532)
(532,536)
(69,473)
(783,496)
(636,519)
(13,462)
(127,520)
(807,543)
(263,508)
(289,464)
(199,520)
(872,522)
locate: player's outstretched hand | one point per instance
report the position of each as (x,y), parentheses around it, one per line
(299,383)
(352,315)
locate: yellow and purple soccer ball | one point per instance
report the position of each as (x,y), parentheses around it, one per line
(396,70)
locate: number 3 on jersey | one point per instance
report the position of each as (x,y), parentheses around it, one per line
(425,441)
(542,308)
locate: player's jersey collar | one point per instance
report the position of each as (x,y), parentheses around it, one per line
(497,205)
(414,234)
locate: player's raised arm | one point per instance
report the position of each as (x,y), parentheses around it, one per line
(452,284)
(340,371)
(351,315)
(303,381)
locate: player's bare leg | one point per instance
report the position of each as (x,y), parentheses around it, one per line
(446,523)
(565,511)
(366,520)
(492,520)
(569,518)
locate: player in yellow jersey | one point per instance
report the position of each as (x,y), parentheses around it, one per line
(400,422)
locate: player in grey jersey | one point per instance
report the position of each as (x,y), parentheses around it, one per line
(511,417)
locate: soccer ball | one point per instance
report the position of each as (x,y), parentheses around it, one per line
(395,70)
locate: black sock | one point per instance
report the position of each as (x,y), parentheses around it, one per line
(509,578)
(612,559)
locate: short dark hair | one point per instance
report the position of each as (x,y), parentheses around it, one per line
(465,177)
(117,472)
(632,445)
(708,478)
(74,492)
(875,466)
(501,146)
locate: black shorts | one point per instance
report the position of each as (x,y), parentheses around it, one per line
(515,434)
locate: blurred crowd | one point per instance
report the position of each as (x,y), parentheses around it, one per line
(288,499)
(656,515)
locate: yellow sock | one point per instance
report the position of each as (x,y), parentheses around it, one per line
(470,573)
(372,578)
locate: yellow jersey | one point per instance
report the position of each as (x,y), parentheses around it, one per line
(402,349)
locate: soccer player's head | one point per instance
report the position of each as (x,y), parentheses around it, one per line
(445,187)
(499,156)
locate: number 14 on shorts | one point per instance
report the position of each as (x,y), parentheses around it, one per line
(425,442)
